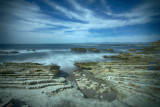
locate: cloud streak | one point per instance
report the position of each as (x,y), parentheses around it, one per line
(21,18)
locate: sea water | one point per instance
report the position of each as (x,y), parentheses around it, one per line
(59,54)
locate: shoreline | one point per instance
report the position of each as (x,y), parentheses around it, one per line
(131,80)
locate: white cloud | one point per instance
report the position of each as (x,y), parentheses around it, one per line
(22,19)
(143,11)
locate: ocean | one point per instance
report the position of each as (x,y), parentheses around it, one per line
(61,54)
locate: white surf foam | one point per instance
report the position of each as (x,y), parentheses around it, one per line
(67,60)
(23,51)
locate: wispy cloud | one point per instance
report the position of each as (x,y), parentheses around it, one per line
(24,18)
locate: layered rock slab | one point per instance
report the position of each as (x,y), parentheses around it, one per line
(133,80)
(23,80)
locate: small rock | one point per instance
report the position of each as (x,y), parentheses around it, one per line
(88,87)
(94,87)
(87,82)
(101,90)
(96,83)
(77,75)
(103,85)
(121,83)
(77,79)
(85,79)
(105,88)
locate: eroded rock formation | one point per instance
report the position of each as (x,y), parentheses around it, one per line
(79,49)
(93,49)
(135,78)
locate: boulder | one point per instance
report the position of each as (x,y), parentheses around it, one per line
(79,49)
(93,49)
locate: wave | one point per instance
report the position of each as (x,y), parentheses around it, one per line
(67,60)
(23,51)
(62,57)
(87,44)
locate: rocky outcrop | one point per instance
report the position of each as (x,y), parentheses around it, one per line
(132,49)
(136,77)
(79,49)
(128,56)
(156,43)
(32,83)
(10,52)
(31,49)
(94,88)
(33,70)
(87,65)
(108,49)
(93,49)
(153,49)
(122,56)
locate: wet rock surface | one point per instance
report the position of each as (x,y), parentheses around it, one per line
(93,50)
(132,49)
(156,43)
(108,49)
(10,52)
(135,78)
(87,65)
(94,88)
(79,49)
(33,70)
(19,80)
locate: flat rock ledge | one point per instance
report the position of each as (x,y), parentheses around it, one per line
(21,79)
(93,88)
(135,78)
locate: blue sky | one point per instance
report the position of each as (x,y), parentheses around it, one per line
(79,21)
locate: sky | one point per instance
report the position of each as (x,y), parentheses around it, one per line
(79,21)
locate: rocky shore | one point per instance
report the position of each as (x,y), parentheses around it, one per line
(131,80)
(33,84)
(134,78)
